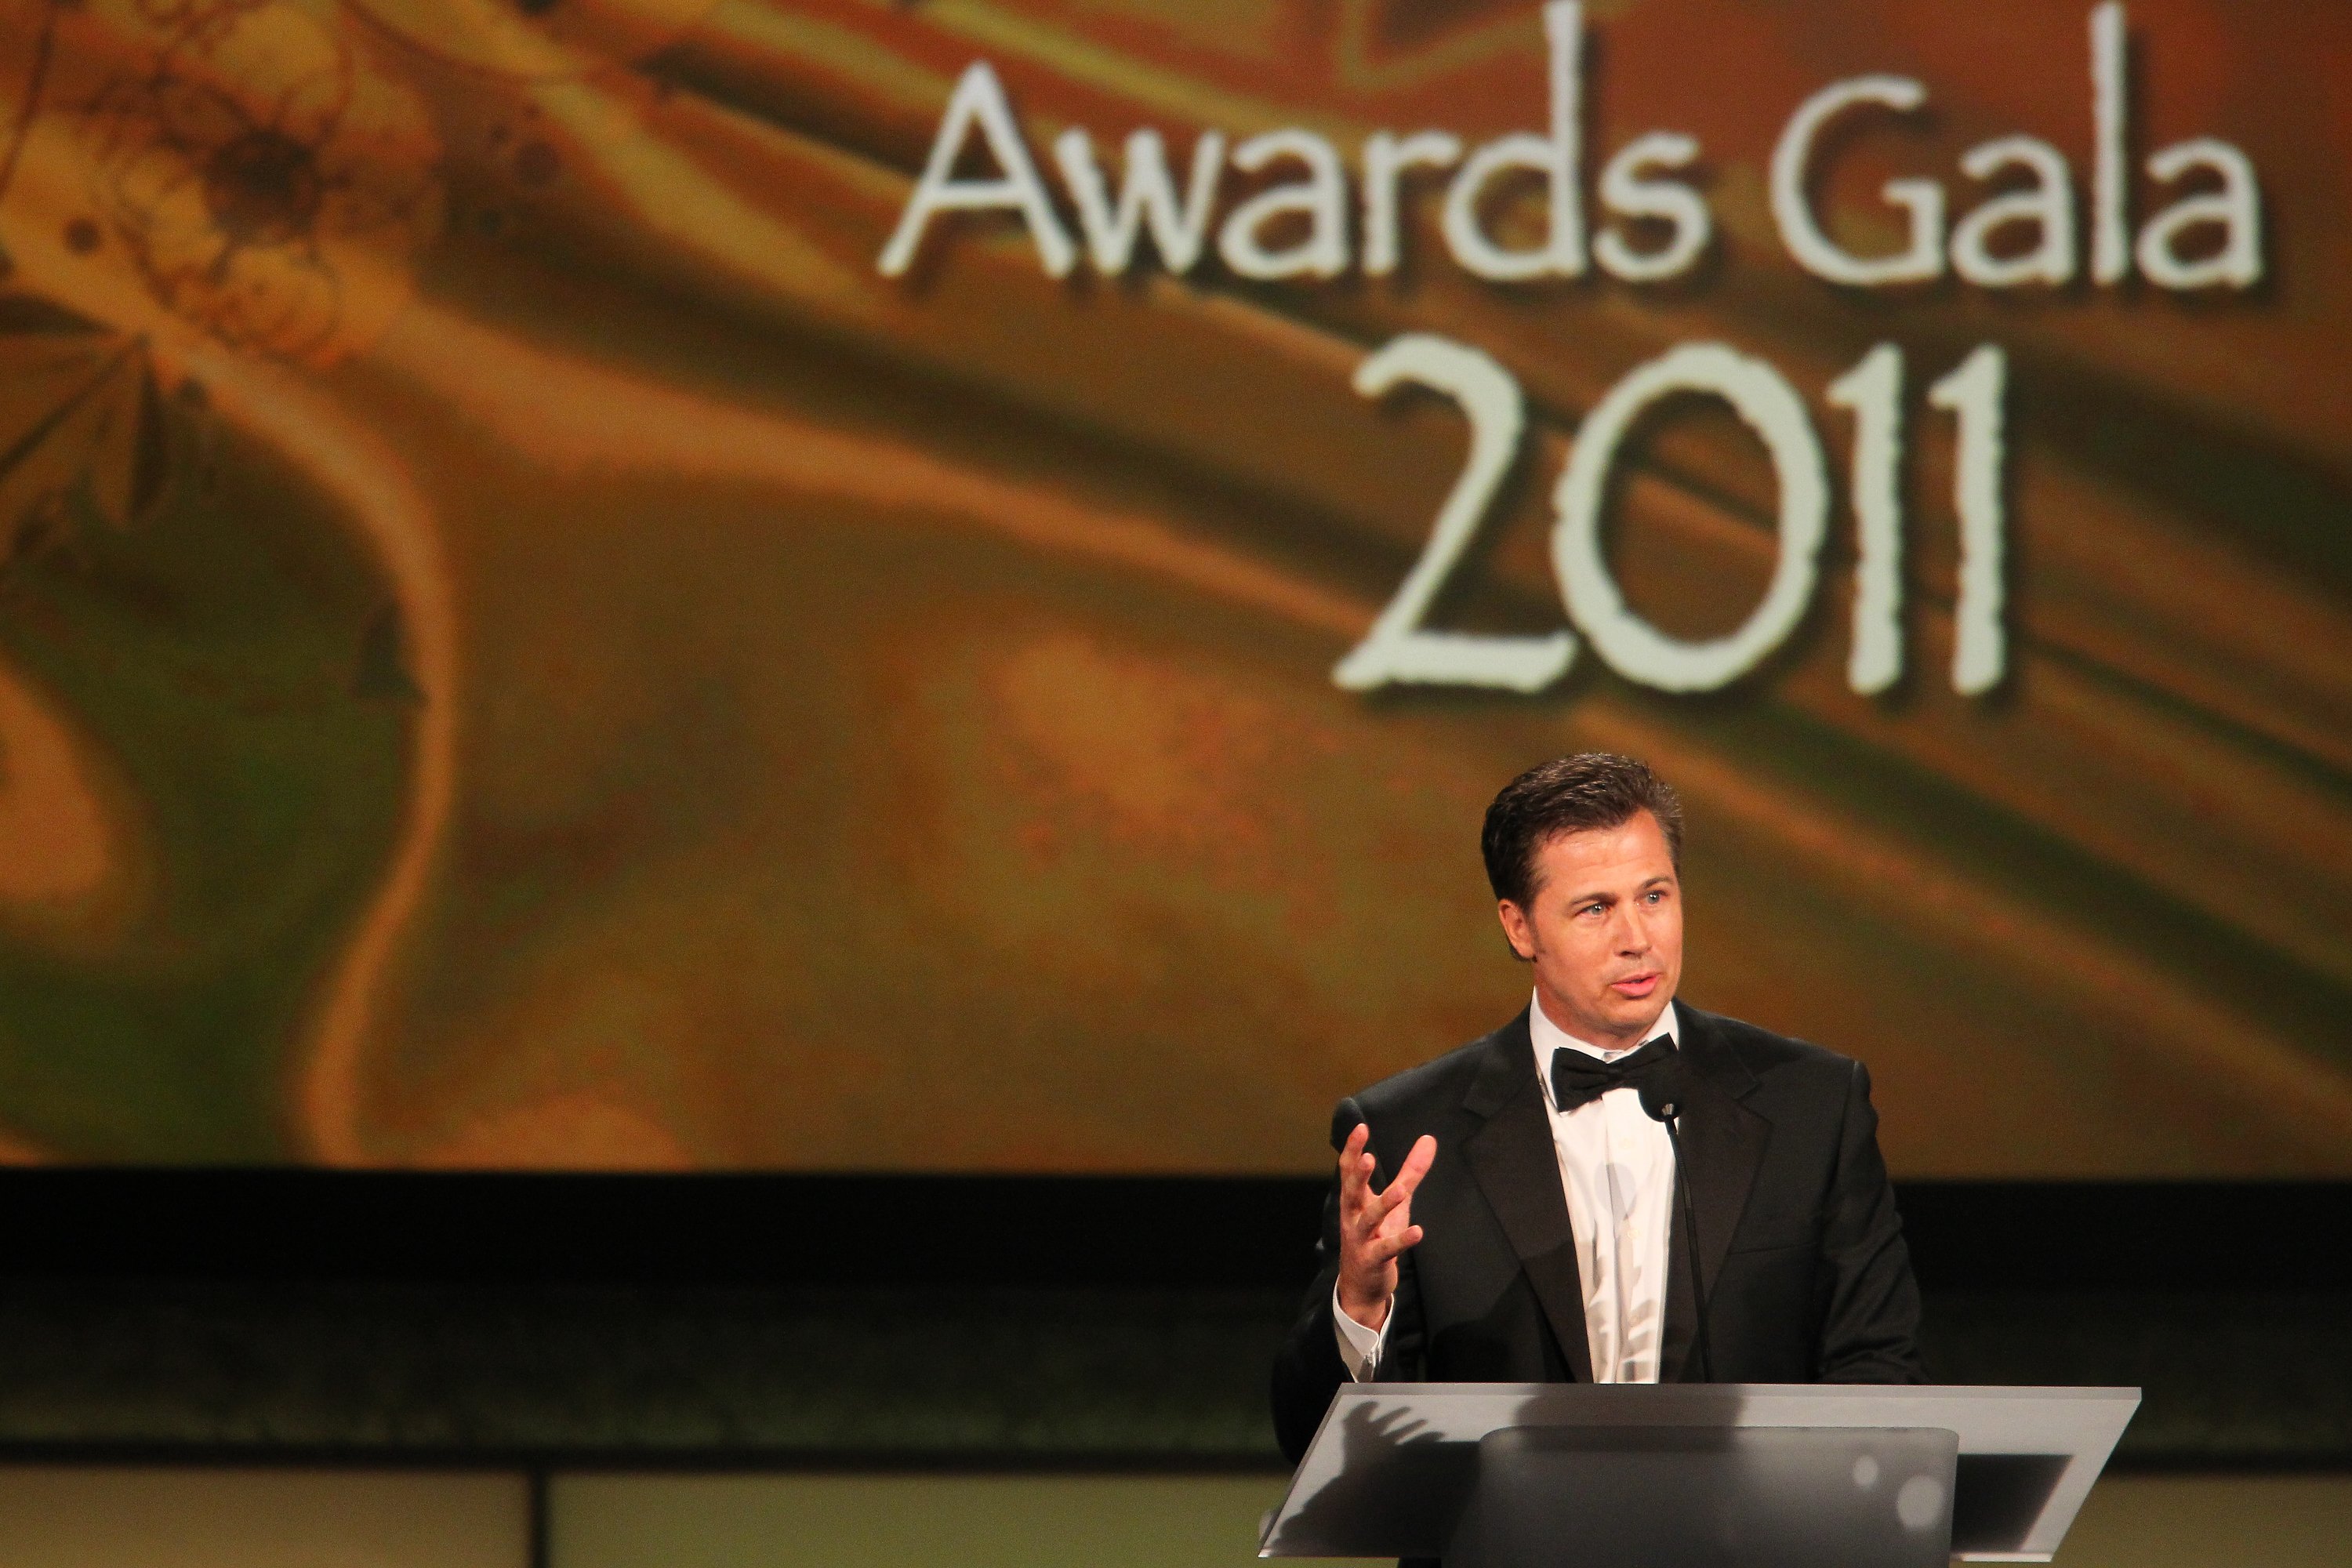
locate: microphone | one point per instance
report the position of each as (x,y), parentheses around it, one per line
(1662,1093)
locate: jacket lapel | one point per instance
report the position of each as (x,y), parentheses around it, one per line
(1722,1145)
(1512,1159)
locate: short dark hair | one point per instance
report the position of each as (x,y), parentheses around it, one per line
(1582,793)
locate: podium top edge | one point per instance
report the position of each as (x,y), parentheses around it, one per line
(1807,1390)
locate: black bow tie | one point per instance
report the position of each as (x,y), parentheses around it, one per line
(1579,1078)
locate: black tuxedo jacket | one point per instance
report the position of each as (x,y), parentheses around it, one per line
(1799,1248)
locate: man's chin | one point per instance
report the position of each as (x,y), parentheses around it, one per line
(1628,1014)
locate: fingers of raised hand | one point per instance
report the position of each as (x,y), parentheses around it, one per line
(1408,1179)
(1355,1166)
(1395,1219)
(1358,1202)
(1418,1159)
(1375,1216)
(1385,1245)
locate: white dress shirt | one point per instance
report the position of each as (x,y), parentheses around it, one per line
(1617,1170)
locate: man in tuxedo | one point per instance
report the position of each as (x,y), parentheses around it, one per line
(1529,1229)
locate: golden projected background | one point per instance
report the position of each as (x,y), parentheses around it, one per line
(519,647)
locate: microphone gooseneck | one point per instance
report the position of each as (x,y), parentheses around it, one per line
(1661,1099)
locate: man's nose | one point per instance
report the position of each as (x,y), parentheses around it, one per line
(1633,935)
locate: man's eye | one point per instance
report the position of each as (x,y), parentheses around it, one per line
(1657,895)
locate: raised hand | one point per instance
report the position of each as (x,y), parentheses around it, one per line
(1375,1227)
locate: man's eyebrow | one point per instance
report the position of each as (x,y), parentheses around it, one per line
(1600,896)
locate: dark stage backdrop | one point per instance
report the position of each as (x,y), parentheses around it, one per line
(733,585)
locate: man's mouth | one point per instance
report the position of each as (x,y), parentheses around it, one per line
(1635,986)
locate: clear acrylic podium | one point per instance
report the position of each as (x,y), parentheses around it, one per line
(1501,1475)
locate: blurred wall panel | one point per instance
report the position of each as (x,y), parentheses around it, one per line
(57,1516)
(2258,1521)
(1203,1521)
(972,1521)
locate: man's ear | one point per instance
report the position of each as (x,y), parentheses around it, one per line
(1517,930)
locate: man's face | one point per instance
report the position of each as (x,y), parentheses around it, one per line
(1604,930)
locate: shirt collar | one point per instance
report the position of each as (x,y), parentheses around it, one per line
(1549,1037)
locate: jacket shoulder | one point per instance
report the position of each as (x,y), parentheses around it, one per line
(1441,1082)
(1772,1055)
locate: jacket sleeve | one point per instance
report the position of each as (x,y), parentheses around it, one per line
(1870,1324)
